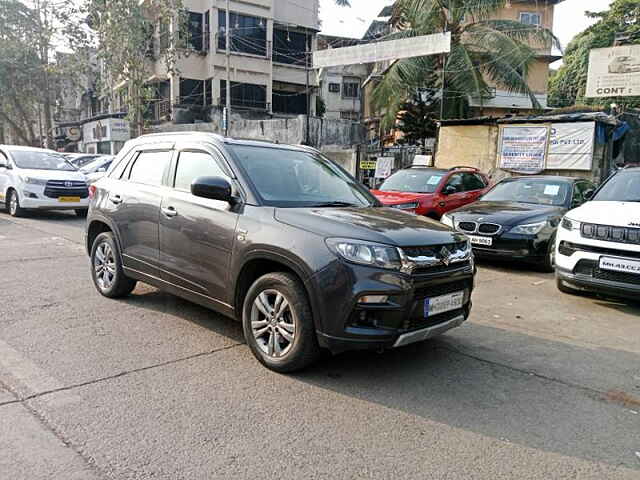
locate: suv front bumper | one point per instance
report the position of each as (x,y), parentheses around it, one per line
(350,325)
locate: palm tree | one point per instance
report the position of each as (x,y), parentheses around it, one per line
(482,50)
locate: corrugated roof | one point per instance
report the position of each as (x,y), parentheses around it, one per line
(564,117)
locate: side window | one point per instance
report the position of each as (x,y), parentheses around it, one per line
(192,165)
(456,181)
(149,167)
(122,164)
(472,182)
(578,193)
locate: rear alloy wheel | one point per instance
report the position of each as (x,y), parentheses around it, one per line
(278,325)
(107,273)
(15,210)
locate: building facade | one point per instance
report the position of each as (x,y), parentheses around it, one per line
(269,60)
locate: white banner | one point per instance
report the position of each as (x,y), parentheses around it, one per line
(614,72)
(571,146)
(523,149)
(384,166)
(381,51)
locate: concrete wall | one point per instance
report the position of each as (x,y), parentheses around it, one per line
(469,145)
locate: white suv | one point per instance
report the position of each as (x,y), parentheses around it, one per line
(598,244)
(34,178)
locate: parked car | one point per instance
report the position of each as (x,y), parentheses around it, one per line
(79,160)
(280,238)
(95,170)
(432,192)
(598,246)
(34,178)
(518,218)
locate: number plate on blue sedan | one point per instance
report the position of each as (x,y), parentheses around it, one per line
(442,304)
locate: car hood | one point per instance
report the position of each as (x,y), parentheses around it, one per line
(376,224)
(52,174)
(616,214)
(505,213)
(397,198)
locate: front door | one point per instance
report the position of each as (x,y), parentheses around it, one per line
(457,197)
(135,202)
(4,176)
(197,234)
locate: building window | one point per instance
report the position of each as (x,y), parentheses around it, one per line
(334,88)
(289,98)
(291,47)
(192,92)
(531,18)
(194,30)
(248,34)
(163,30)
(206,39)
(244,95)
(350,116)
(351,88)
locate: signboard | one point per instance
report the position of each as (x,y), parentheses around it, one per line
(571,146)
(367,164)
(384,166)
(523,149)
(383,51)
(106,130)
(614,72)
(423,160)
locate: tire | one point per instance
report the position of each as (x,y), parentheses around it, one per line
(82,212)
(109,280)
(284,343)
(13,204)
(549,263)
(565,289)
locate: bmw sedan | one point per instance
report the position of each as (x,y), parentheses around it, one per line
(519,217)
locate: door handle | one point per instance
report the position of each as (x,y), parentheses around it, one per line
(116,199)
(169,212)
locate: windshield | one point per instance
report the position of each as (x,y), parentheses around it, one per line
(538,191)
(292,178)
(415,181)
(92,167)
(623,187)
(36,160)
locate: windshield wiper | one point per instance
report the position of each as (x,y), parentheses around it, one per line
(335,204)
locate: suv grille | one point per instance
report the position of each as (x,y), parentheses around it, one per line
(590,268)
(611,234)
(437,255)
(66,188)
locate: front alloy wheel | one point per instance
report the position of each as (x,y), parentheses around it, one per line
(106,268)
(273,323)
(104,264)
(15,210)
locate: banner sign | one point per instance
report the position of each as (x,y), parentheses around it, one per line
(367,164)
(571,146)
(523,149)
(614,72)
(382,51)
(384,166)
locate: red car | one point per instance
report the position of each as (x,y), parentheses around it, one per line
(432,192)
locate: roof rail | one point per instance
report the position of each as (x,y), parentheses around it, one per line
(463,167)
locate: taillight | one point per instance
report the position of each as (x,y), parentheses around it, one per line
(92,191)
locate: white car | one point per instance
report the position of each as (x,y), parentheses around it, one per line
(97,169)
(598,244)
(34,178)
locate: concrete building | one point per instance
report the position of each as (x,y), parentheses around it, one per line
(270,72)
(341,86)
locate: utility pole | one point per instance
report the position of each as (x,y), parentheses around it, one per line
(228,54)
(308,99)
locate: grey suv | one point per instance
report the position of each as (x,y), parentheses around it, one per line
(280,238)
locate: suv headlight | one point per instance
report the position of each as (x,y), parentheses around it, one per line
(33,181)
(529,229)
(367,253)
(447,220)
(569,224)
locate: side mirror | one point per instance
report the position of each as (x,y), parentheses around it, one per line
(449,190)
(588,195)
(213,188)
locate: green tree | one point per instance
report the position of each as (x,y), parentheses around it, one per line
(418,118)
(482,50)
(567,87)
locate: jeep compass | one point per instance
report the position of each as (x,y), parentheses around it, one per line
(280,238)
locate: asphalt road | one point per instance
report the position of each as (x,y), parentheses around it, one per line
(536,385)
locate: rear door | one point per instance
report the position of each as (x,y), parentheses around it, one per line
(134,202)
(197,234)
(474,186)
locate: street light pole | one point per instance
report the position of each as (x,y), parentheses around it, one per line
(228,55)
(308,99)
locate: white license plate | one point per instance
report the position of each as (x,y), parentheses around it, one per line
(620,265)
(476,240)
(442,304)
